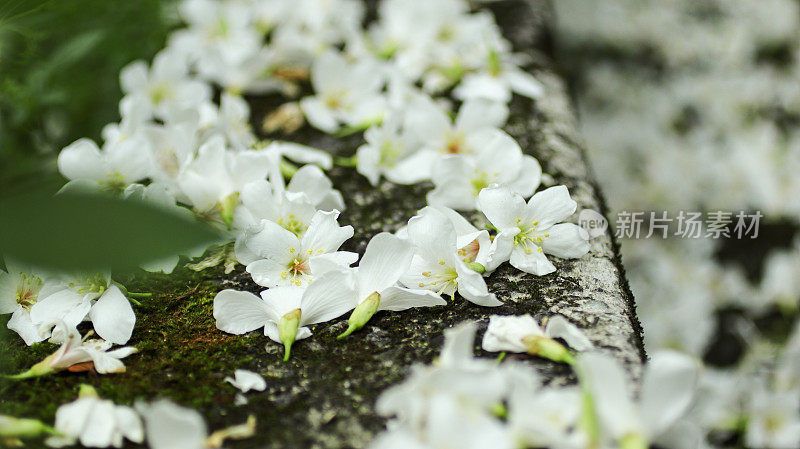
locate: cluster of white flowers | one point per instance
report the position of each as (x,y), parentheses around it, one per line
(463,401)
(384,83)
(707,123)
(97,422)
(38,300)
(185,143)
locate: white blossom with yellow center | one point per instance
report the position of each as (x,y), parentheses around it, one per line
(528,231)
(276,256)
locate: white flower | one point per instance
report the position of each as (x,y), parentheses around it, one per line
(498,160)
(260,201)
(376,281)
(19,291)
(284,312)
(170,426)
(172,148)
(391,153)
(74,351)
(290,206)
(95,422)
(450,403)
(548,417)
(474,245)
(498,81)
(430,125)
(449,425)
(233,121)
(135,114)
(773,419)
(247,380)
(212,181)
(528,231)
(166,86)
(74,299)
(668,386)
(275,256)
(218,33)
(436,265)
(523,334)
(344,94)
(112,169)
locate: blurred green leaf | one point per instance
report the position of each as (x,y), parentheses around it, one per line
(79,231)
(59,71)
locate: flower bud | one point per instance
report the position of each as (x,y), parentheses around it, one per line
(287,330)
(362,313)
(548,348)
(227,206)
(11,427)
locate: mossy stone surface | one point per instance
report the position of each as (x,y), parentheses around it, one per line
(323,397)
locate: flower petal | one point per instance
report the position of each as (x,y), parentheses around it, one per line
(21,323)
(129,424)
(83,160)
(65,304)
(550,206)
(112,316)
(399,298)
(324,233)
(267,272)
(434,236)
(605,379)
(247,380)
(472,287)
(385,260)
(100,425)
(103,362)
(506,333)
(329,296)
(170,426)
(268,241)
(501,206)
(311,181)
(318,115)
(566,240)
(558,327)
(524,83)
(282,300)
(481,113)
(533,261)
(668,386)
(530,176)
(238,312)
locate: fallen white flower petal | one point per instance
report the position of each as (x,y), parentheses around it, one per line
(95,422)
(284,312)
(74,350)
(247,380)
(170,426)
(385,260)
(523,334)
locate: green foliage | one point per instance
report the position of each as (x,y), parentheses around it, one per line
(59,71)
(79,231)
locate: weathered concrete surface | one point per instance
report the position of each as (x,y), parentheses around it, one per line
(323,397)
